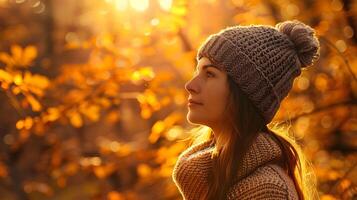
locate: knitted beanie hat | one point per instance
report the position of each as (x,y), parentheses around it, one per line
(263,60)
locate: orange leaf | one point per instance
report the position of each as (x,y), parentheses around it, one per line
(3,170)
(75,118)
(28,122)
(90,111)
(5,76)
(16,51)
(144,170)
(20,124)
(327,197)
(30,53)
(18,79)
(38,81)
(156,131)
(6,58)
(53,114)
(113,195)
(145,112)
(36,106)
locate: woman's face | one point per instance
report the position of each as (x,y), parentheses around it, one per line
(208,94)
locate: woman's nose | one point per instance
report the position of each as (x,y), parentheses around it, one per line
(191,86)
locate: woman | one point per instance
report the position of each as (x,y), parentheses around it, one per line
(243,74)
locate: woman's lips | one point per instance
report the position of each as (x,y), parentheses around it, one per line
(193,103)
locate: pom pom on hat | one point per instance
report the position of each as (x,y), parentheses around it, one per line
(304,39)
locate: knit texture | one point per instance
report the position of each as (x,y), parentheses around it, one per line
(260,176)
(263,60)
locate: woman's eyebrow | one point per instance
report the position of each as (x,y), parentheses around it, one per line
(205,66)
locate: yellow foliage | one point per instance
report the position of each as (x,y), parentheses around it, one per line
(3,170)
(18,79)
(16,51)
(173,118)
(345,183)
(104,170)
(90,111)
(5,85)
(16,90)
(75,118)
(21,57)
(104,102)
(62,181)
(160,126)
(145,112)
(112,117)
(53,113)
(6,58)
(36,106)
(174,133)
(327,197)
(33,186)
(180,97)
(24,135)
(152,100)
(164,154)
(24,123)
(156,131)
(124,150)
(148,101)
(144,73)
(165,171)
(144,170)
(36,83)
(28,84)
(111,89)
(29,54)
(28,122)
(113,195)
(71,168)
(321,82)
(165,101)
(20,124)
(39,128)
(5,76)
(179,10)
(162,77)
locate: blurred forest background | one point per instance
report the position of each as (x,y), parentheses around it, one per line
(92,93)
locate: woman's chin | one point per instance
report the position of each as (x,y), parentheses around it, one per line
(194,119)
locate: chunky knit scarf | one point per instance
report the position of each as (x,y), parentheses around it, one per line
(260,176)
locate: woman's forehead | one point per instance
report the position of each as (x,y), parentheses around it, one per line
(204,60)
(205,63)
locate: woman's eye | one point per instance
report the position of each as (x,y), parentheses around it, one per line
(210,74)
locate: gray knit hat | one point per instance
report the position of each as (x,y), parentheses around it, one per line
(263,60)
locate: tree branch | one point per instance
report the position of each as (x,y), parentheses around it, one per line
(333,105)
(324,39)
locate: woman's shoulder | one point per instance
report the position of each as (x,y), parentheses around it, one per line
(195,148)
(267,182)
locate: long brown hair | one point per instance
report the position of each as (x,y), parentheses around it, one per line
(245,123)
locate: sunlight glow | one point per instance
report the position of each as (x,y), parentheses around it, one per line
(139,5)
(121,4)
(155,22)
(36,4)
(20,1)
(165,4)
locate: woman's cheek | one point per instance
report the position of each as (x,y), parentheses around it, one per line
(211,110)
